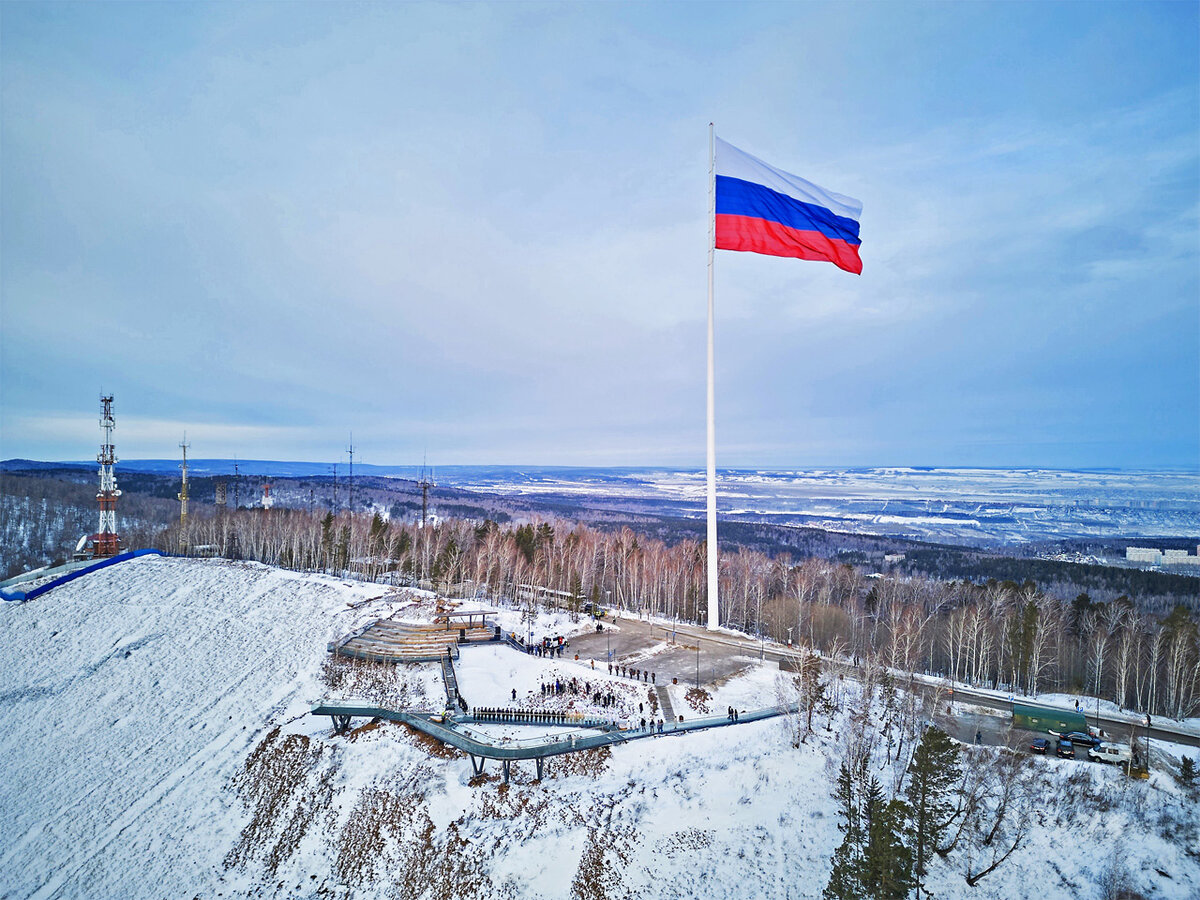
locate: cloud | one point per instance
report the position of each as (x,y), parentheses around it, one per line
(484,227)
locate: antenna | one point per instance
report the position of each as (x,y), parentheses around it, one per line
(236,483)
(183,499)
(107,543)
(426,484)
(350,490)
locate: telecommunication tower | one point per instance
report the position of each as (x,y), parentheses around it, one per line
(183,498)
(426,483)
(107,543)
(350,489)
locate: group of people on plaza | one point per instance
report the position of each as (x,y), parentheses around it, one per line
(538,716)
(598,694)
(635,674)
(549,647)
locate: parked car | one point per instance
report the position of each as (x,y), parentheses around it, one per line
(1110,752)
(1065,749)
(1039,745)
(1083,740)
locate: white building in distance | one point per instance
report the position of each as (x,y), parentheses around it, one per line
(1162,557)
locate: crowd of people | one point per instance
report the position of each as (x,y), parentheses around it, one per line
(575,687)
(530,716)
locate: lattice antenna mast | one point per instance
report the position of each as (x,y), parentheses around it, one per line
(426,484)
(107,543)
(350,489)
(236,482)
(183,497)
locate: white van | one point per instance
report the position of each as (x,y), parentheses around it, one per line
(1110,752)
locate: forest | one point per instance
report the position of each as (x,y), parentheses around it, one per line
(999,633)
(1025,625)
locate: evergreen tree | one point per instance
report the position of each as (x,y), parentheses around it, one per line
(1187,773)
(343,548)
(327,539)
(873,862)
(932,774)
(524,537)
(888,864)
(377,534)
(846,880)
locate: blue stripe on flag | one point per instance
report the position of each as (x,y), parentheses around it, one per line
(736,197)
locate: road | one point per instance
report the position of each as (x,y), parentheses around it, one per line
(690,653)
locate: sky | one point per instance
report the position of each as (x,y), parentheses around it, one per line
(478,233)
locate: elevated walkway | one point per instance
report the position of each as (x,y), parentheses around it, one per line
(538,749)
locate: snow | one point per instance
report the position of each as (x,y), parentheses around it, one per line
(1067,701)
(488,674)
(156,744)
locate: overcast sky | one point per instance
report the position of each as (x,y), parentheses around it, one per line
(480,232)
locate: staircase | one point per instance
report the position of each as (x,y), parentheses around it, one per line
(449,681)
(665,710)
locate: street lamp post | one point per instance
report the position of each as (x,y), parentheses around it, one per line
(697,665)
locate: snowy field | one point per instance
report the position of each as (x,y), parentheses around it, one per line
(156,745)
(972,506)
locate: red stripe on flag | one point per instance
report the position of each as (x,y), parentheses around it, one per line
(772,239)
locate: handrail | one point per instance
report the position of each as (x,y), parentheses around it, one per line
(529,748)
(23,596)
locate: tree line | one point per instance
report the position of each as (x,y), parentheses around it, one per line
(1003,635)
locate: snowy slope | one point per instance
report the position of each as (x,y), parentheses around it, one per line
(155,745)
(131,696)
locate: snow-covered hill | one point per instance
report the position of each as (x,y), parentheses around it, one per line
(155,744)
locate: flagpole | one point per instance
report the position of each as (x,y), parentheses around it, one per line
(714,618)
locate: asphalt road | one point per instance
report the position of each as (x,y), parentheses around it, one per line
(688,651)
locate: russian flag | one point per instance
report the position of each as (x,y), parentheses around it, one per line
(761,209)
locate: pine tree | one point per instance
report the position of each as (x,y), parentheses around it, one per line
(327,539)
(1187,773)
(874,860)
(933,773)
(846,879)
(888,863)
(343,548)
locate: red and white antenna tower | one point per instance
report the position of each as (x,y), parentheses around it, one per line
(107,543)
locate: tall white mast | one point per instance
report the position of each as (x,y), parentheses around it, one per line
(714,618)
